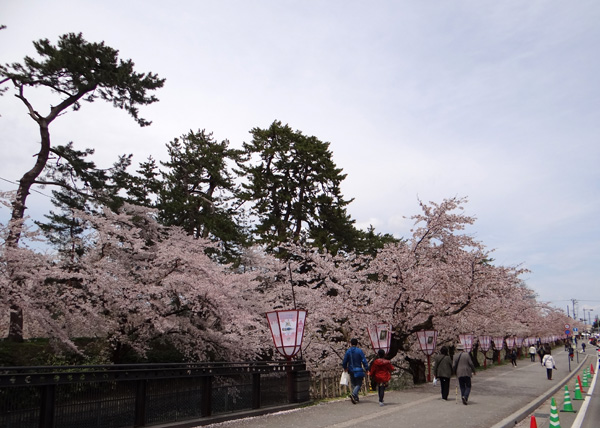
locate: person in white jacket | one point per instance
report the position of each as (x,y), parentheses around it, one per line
(532,353)
(548,362)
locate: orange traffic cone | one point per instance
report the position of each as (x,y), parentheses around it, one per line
(591,368)
(580,387)
(533,423)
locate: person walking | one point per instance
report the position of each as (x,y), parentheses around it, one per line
(513,357)
(381,372)
(571,352)
(464,368)
(356,365)
(541,352)
(442,370)
(549,363)
(532,353)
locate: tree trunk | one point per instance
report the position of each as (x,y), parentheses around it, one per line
(15,329)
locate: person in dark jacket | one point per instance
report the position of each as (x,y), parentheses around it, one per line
(513,357)
(381,370)
(356,365)
(464,368)
(442,370)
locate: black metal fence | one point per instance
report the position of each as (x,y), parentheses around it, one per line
(142,395)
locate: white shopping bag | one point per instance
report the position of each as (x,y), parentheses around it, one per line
(345,379)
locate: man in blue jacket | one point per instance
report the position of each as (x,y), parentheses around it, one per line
(356,365)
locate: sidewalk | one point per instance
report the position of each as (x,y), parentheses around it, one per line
(500,397)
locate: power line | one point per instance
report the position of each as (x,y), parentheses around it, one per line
(33,190)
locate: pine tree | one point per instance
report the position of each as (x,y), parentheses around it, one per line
(294,188)
(198,189)
(76,71)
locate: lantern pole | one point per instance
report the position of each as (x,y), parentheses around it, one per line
(427,339)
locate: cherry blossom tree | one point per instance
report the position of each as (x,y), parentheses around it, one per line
(441,278)
(140,281)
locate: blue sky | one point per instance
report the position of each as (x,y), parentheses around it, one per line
(495,101)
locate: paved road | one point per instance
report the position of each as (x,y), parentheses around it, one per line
(500,397)
(587,412)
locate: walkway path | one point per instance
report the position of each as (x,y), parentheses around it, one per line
(500,397)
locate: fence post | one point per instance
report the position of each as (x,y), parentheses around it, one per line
(256,390)
(47,406)
(206,404)
(140,403)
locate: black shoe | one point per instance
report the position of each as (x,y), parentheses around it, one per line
(352,399)
(464,400)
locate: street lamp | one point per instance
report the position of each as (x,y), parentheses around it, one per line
(484,345)
(287,330)
(427,339)
(498,345)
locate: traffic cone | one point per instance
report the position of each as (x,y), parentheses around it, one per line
(554,422)
(585,380)
(580,387)
(567,407)
(533,423)
(591,368)
(578,395)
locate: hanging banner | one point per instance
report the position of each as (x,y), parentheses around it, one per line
(519,342)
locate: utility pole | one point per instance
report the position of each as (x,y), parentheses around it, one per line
(574,301)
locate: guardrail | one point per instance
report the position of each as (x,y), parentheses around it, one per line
(143,395)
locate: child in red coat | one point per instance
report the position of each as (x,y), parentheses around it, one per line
(381,370)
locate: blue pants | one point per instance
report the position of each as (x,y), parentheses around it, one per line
(356,383)
(465,386)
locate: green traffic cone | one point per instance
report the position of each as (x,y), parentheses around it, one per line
(577,391)
(567,407)
(554,422)
(584,382)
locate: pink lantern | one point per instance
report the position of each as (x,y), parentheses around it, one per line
(519,344)
(380,335)
(498,345)
(287,330)
(484,345)
(466,341)
(427,339)
(510,342)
